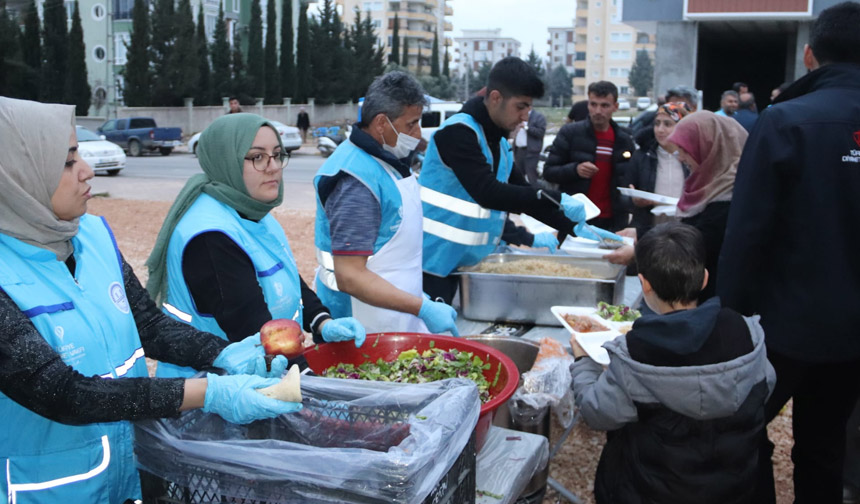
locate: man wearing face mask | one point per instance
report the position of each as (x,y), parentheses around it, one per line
(368,220)
(468,185)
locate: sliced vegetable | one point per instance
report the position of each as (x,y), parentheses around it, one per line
(617,313)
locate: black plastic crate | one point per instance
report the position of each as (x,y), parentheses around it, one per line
(348,426)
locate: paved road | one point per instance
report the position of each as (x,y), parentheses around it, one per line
(160,178)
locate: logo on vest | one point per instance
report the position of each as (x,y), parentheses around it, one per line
(59,332)
(117,295)
(279,289)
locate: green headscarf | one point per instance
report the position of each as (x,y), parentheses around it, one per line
(221,151)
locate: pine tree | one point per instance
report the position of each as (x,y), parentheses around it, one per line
(367,57)
(641,77)
(273,76)
(31,51)
(221,77)
(288,65)
(404,59)
(162,44)
(55,66)
(78,91)
(183,64)
(394,53)
(203,96)
(536,63)
(434,56)
(303,57)
(239,82)
(446,71)
(560,86)
(12,66)
(256,67)
(138,75)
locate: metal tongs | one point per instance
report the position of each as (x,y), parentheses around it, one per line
(604,243)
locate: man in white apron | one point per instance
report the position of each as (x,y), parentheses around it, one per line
(368,231)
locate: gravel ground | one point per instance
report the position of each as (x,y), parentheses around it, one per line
(136,224)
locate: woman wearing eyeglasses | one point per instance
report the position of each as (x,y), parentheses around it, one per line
(221,262)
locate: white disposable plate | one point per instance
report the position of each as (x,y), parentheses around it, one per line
(591,342)
(591,210)
(664,210)
(659,198)
(583,247)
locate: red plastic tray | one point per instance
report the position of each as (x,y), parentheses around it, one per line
(389,345)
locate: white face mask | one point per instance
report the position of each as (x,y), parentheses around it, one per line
(405,143)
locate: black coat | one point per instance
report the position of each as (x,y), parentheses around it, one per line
(711,222)
(576,143)
(790,251)
(642,173)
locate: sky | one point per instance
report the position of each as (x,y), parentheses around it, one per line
(525,20)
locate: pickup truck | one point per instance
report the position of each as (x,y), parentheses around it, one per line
(136,134)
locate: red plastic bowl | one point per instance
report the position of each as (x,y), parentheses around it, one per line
(389,345)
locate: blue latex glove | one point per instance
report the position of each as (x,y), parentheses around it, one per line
(234,399)
(344,329)
(248,357)
(573,208)
(439,317)
(584,231)
(547,240)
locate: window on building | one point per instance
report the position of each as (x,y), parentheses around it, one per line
(555,35)
(619,54)
(613,72)
(377,23)
(643,38)
(555,47)
(99,53)
(595,73)
(569,60)
(557,59)
(625,90)
(621,37)
(597,21)
(482,45)
(570,36)
(579,72)
(119,48)
(122,9)
(98,12)
(597,38)
(580,55)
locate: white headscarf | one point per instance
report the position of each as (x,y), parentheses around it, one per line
(34,144)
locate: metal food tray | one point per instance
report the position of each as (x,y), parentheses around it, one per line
(527,298)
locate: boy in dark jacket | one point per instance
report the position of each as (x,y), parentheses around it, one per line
(684,393)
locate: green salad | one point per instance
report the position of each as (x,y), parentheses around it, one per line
(617,313)
(412,366)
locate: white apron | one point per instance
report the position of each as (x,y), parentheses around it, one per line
(399,263)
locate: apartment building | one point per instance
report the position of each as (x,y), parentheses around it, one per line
(476,47)
(598,46)
(419,21)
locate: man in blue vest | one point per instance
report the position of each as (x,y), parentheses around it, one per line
(468,185)
(368,220)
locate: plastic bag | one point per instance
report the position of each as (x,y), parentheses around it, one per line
(546,385)
(354,441)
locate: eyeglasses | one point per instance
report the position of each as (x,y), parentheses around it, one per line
(261,160)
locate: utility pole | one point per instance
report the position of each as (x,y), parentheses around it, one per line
(468,71)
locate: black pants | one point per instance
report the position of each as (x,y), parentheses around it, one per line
(824,396)
(441,288)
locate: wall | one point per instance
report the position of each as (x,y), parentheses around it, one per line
(676,57)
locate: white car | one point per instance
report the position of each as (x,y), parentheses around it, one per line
(623,104)
(290,137)
(643,102)
(101,155)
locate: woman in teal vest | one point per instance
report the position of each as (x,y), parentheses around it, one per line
(76,325)
(222,262)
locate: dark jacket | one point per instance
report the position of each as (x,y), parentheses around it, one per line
(684,400)
(576,143)
(747,118)
(642,173)
(790,251)
(711,222)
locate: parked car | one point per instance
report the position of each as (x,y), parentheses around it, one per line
(137,134)
(101,155)
(290,137)
(643,102)
(435,114)
(623,104)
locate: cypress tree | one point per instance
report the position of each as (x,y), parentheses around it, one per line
(303,61)
(11,61)
(31,49)
(204,82)
(434,56)
(162,44)
(394,53)
(55,36)
(445,70)
(256,67)
(221,77)
(184,64)
(288,65)
(404,59)
(418,63)
(239,82)
(273,76)
(138,75)
(367,57)
(78,92)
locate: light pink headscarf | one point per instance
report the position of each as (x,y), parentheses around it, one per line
(715,143)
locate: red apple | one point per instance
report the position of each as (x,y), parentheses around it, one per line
(282,337)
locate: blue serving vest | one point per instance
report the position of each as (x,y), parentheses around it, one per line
(265,244)
(457,230)
(88,322)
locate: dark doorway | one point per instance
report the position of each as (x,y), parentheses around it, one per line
(754,52)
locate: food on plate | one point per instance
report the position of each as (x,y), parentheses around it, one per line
(282,337)
(583,324)
(288,389)
(535,267)
(617,313)
(412,366)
